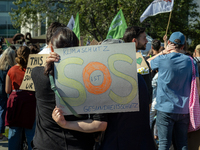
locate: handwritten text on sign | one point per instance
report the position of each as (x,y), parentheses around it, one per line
(97,79)
(34,60)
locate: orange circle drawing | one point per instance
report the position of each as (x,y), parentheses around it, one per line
(91,67)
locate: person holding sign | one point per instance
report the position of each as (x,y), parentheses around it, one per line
(50,31)
(138,35)
(21,104)
(49,135)
(7,60)
(125,130)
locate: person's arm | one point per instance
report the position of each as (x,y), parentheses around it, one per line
(151,58)
(8,87)
(87,126)
(165,40)
(168,49)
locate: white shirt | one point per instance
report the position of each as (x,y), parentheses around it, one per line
(45,51)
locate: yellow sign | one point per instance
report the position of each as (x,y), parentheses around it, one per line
(34,60)
(142,66)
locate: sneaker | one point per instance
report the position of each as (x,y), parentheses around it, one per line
(3,138)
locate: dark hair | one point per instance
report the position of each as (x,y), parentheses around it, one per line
(51,30)
(62,38)
(13,47)
(161,48)
(156,44)
(132,32)
(22,56)
(189,53)
(1,51)
(34,49)
(150,52)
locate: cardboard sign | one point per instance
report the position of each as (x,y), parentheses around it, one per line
(94,42)
(34,60)
(97,79)
(142,66)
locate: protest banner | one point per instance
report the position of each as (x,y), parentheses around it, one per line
(34,60)
(117,27)
(156,7)
(97,79)
(142,66)
(71,23)
(76,28)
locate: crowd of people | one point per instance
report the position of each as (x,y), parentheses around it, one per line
(163,92)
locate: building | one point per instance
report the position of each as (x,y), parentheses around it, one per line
(6,28)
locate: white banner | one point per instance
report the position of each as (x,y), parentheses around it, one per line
(156,7)
(71,23)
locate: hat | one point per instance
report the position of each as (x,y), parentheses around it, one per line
(112,41)
(198,48)
(177,35)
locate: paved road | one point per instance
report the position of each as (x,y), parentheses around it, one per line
(3,145)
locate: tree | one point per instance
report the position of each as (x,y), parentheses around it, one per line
(28,11)
(96,16)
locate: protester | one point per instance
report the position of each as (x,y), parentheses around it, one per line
(155,46)
(153,111)
(194,137)
(150,53)
(49,135)
(14,48)
(21,104)
(34,49)
(196,56)
(125,130)
(173,92)
(165,40)
(138,35)
(129,130)
(7,60)
(50,31)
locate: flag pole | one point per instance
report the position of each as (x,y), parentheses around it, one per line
(168,22)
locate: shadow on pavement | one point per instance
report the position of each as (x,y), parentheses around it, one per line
(3,144)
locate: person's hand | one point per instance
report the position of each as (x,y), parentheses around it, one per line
(53,57)
(169,48)
(58,117)
(165,38)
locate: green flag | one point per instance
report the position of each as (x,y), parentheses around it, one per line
(7,43)
(76,28)
(117,27)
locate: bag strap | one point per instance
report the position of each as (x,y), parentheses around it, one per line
(53,87)
(193,68)
(196,59)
